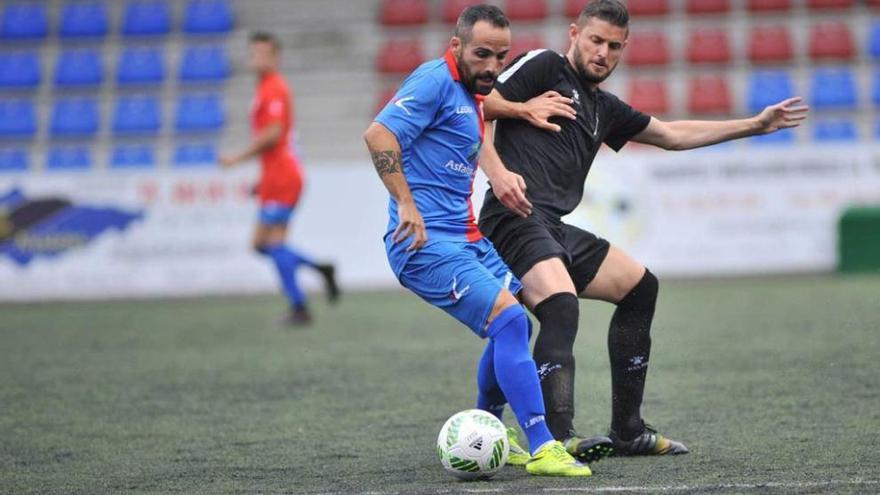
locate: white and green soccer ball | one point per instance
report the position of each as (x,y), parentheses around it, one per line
(473,445)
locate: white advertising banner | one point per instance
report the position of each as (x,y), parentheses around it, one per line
(187,232)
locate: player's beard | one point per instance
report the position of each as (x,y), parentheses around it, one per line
(584,71)
(470,80)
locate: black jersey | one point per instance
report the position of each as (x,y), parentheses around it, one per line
(555,164)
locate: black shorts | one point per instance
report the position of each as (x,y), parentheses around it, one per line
(524,242)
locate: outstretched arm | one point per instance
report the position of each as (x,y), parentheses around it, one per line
(537,111)
(508,187)
(385,152)
(267,138)
(689,134)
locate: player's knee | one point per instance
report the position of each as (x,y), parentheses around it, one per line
(559,315)
(260,248)
(512,322)
(644,293)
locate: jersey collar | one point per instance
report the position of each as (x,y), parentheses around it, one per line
(453,71)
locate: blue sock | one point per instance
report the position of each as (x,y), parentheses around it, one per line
(489,395)
(517,375)
(302,259)
(286,263)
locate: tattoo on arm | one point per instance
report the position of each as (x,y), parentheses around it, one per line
(386,162)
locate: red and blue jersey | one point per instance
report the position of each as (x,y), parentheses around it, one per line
(439,126)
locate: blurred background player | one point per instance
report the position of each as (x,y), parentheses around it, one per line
(281,181)
(425,145)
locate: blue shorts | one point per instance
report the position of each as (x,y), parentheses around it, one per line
(272,213)
(461,278)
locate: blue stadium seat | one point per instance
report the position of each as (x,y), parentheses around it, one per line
(784,137)
(132,156)
(13,160)
(834,89)
(208,63)
(877,129)
(19,69)
(75,117)
(874,40)
(143,65)
(199,113)
(18,119)
(146,18)
(61,158)
(842,130)
(137,115)
(24,21)
(195,154)
(208,17)
(83,19)
(768,87)
(79,67)
(875,89)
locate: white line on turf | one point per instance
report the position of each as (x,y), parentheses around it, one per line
(720,486)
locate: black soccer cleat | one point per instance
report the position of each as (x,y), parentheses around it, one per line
(328,271)
(588,450)
(649,442)
(297,318)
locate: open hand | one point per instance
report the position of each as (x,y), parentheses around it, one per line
(539,110)
(510,189)
(785,114)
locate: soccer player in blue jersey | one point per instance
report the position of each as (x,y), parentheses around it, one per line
(424,145)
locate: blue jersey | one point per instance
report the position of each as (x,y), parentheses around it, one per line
(439,126)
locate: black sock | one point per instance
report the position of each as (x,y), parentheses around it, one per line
(558,315)
(629,347)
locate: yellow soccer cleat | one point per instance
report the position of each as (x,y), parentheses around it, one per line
(518,456)
(553,460)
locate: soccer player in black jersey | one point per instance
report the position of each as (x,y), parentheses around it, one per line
(551,120)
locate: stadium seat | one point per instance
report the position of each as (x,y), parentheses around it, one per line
(204,63)
(768,5)
(573,8)
(404,12)
(77,117)
(525,43)
(18,118)
(199,113)
(452,8)
(835,130)
(877,129)
(83,19)
(13,160)
(137,115)
(831,40)
(647,48)
(875,87)
(830,4)
(19,69)
(525,10)
(783,137)
(24,21)
(709,94)
(768,88)
(208,17)
(138,156)
(834,89)
(708,6)
(648,95)
(146,18)
(400,56)
(874,40)
(647,7)
(383,98)
(709,46)
(770,44)
(873,3)
(67,157)
(195,154)
(79,67)
(140,66)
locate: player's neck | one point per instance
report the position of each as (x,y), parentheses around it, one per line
(587,84)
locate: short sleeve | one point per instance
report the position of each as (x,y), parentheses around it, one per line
(412,109)
(626,122)
(273,105)
(529,75)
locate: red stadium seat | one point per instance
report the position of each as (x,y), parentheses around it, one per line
(400,56)
(709,46)
(573,8)
(524,43)
(452,9)
(830,4)
(647,7)
(526,10)
(647,48)
(383,98)
(873,3)
(770,44)
(831,40)
(709,94)
(769,5)
(404,12)
(648,95)
(708,6)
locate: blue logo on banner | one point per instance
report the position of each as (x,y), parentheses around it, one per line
(52,226)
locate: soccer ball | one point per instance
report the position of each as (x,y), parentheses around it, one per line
(473,445)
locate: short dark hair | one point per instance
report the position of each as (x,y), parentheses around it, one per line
(464,28)
(265,37)
(611,11)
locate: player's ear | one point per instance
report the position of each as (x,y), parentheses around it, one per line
(455,45)
(573,32)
